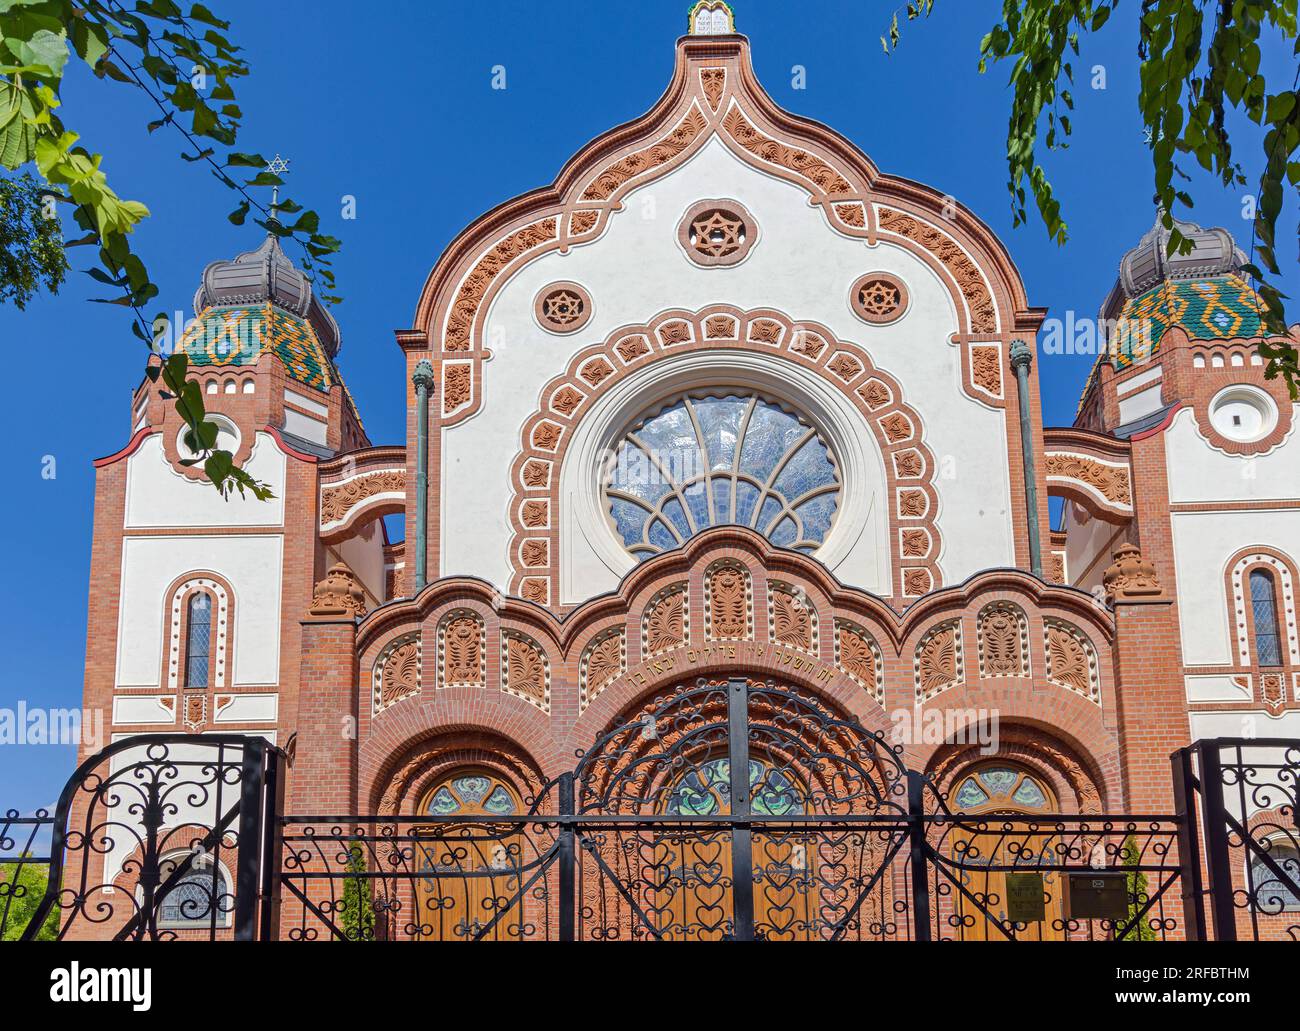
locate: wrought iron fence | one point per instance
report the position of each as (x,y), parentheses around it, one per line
(721,811)
(1243,793)
(162,836)
(825,835)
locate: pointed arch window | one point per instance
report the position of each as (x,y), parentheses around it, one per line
(1263,605)
(198,639)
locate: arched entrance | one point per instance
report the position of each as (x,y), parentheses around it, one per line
(467,873)
(989,851)
(797,848)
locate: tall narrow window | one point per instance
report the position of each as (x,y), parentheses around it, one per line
(198,639)
(1263,603)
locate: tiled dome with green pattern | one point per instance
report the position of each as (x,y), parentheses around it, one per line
(239,334)
(1219,308)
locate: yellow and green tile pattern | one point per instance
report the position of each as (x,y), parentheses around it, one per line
(1219,308)
(240,334)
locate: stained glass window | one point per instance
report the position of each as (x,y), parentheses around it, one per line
(198,639)
(471,794)
(707,460)
(1263,603)
(1001,788)
(1271,893)
(201,895)
(705,790)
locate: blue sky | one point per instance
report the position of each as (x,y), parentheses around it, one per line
(399,112)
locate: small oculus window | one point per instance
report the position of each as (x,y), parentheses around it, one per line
(227,437)
(1243,414)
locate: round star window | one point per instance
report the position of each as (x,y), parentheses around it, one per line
(704,460)
(717,232)
(878,298)
(563,307)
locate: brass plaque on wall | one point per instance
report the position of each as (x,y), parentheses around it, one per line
(1025,897)
(1098,895)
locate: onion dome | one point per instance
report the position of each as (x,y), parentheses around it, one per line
(267,274)
(261,302)
(1213,253)
(1203,292)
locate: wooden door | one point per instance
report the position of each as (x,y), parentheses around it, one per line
(692,870)
(468,872)
(993,790)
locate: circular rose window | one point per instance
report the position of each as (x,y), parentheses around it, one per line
(717,232)
(878,298)
(704,460)
(563,307)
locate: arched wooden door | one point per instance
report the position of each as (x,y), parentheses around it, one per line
(469,872)
(1003,789)
(695,865)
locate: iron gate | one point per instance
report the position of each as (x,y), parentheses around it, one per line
(158,836)
(824,835)
(729,810)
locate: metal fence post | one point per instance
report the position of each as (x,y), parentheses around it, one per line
(1189,844)
(268,919)
(920,860)
(567,861)
(742,834)
(248,862)
(1218,867)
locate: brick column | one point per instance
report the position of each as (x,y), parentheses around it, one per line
(324,778)
(1151,704)
(323,781)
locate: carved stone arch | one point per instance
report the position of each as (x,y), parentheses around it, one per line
(1074,776)
(1002,637)
(360,487)
(1092,470)
(1071,658)
(896,428)
(413,770)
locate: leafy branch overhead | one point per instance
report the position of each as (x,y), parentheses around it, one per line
(188,68)
(1198,60)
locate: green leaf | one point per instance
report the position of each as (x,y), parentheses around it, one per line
(44,49)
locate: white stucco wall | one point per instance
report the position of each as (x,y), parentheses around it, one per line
(158,495)
(1199,472)
(1204,542)
(253,566)
(799,266)
(364,555)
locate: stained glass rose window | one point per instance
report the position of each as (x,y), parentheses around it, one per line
(710,460)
